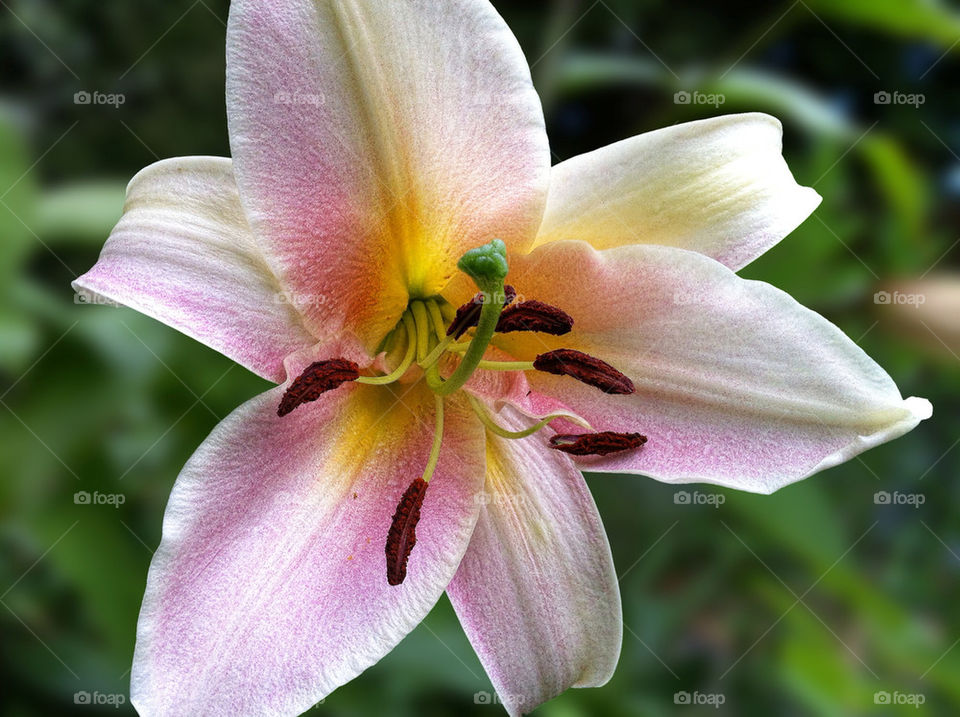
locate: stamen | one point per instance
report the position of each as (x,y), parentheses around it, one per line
(585,368)
(422,322)
(403,528)
(403,531)
(436,317)
(407,362)
(506,365)
(597,444)
(317,379)
(468,315)
(535,316)
(496,429)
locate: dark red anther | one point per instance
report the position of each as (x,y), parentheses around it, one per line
(585,368)
(469,314)
(403,531)
(597,444)
(535,316)
(317,379)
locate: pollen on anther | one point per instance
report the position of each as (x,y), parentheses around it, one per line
(317,379)
(584,368)
(535,316)
(596,444)
(468,315)
(403,531)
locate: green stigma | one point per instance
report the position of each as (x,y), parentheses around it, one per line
(486,264)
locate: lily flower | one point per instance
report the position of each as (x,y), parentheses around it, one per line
(389,160)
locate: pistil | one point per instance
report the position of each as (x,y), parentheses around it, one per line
(487,266)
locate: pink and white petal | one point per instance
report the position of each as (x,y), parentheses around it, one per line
(536,591)
(718,186)
(377,142)
(184,254)
(269,588)
(737,384)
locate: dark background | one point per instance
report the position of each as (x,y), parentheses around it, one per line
(819,600)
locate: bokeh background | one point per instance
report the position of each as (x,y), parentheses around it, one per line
(829,598)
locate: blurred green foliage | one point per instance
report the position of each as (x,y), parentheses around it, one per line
(810,601)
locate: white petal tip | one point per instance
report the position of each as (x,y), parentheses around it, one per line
(921,408)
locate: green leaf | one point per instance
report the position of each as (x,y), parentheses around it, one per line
(917,19)
(80,213)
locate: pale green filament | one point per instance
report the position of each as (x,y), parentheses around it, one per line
(488,421)
(439,326)
(438,351)
(437,441)
(448,312)
(407,359)
(423,329)
(445,341)
(506,365)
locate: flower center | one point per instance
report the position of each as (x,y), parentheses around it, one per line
(432,331)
